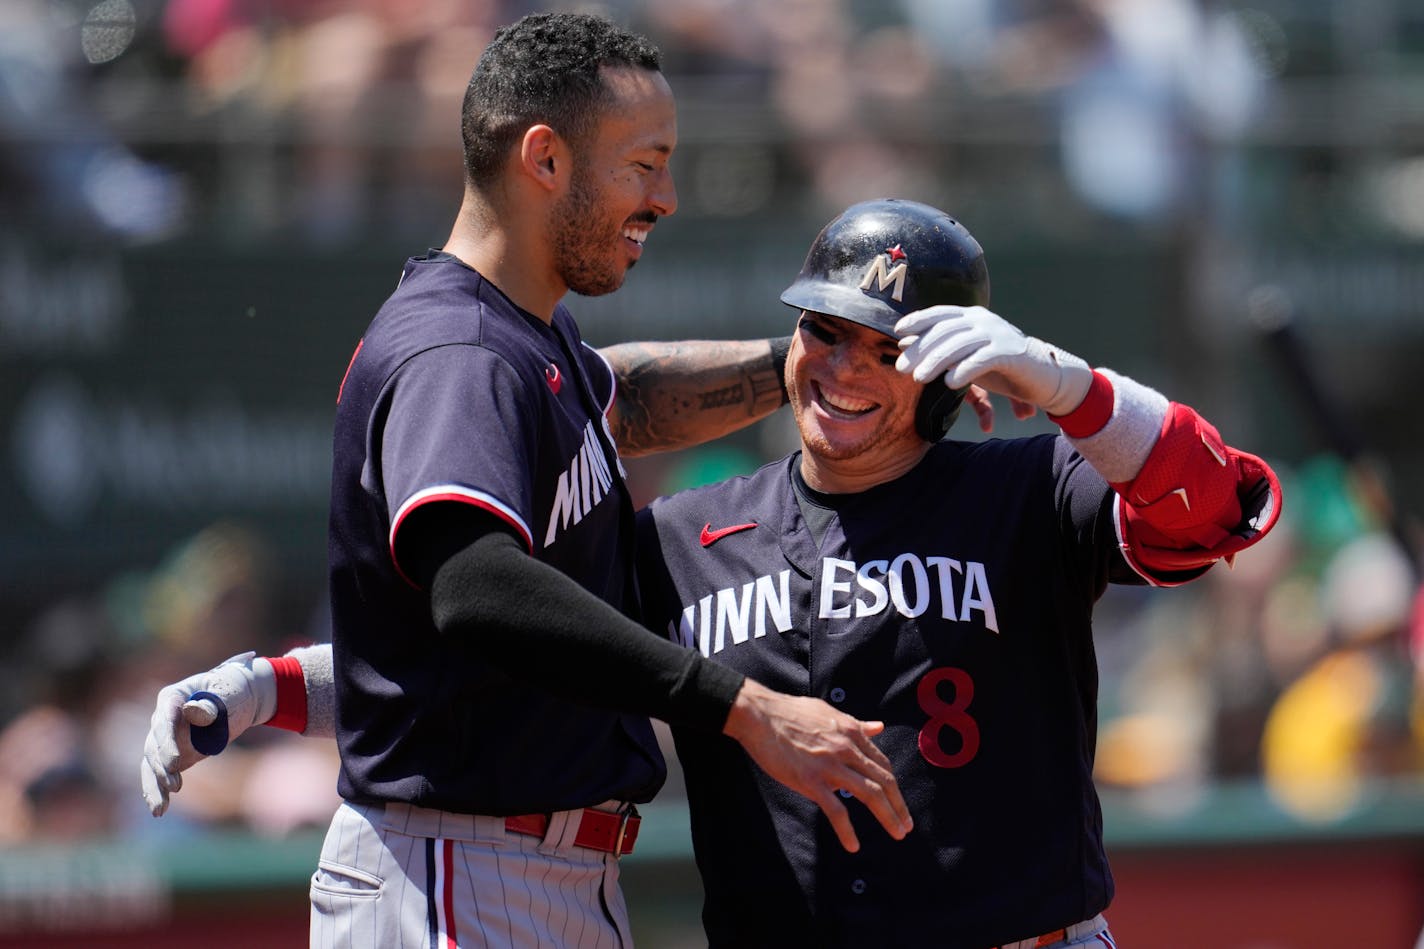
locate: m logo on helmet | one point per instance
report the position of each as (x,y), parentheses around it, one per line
(881,274)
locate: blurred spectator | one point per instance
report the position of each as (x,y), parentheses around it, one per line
(1190,674)
(1348,717)
(50,787)
(58,162)
(363,86)
(93,666)
(211,598)
(1138,85)
(1416,652)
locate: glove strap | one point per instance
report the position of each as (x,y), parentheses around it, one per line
(291,712)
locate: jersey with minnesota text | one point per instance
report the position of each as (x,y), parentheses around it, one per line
(954,604)
(457,396)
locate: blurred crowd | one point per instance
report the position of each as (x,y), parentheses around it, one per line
(82,681)
(323,119)
(328,120)
(1301,664)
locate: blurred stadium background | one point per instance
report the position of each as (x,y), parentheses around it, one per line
(202,202)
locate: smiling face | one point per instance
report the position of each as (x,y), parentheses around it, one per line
(620,184)
(855,412)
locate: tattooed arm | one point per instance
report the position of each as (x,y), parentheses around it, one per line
(676,395)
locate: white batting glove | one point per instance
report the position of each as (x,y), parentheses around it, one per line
(969,344)
(207,711)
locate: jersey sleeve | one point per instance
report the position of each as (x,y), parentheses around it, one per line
(461,428)
(1084,504)
(656,586)
(601,375)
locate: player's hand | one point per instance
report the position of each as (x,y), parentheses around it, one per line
(816,750)
(977,398)
(221,704)
(969,344)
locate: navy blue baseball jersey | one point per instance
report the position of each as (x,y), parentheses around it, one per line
(456,396)
(955,604)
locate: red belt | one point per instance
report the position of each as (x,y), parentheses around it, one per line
(598,830)
(1048,939)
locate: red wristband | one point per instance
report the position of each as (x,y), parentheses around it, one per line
(1092,413)
(291,711)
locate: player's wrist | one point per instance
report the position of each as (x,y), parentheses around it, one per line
(263,680)
(745,710)
(1072,383)
(287,694)
(1092,412)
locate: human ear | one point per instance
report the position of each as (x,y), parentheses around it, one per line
(543,156)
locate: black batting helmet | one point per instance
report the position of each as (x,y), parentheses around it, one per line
(880,260)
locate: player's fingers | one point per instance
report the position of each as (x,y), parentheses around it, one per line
(931,330)
(862,734)
(973,366)
(958,329)
(889,807)
(168,778)
(1022,409)
(866,773)
(913,324)
(928,359)
(154,794)
(839,817)
(162,726)
(200,711)
(156,777)
(978,399)
(160,752)
(880,791)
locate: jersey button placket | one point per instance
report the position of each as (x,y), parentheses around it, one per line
(857,887)
(838,695)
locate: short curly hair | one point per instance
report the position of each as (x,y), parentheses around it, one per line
(543,69)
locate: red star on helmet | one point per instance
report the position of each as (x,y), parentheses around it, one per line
(895,253)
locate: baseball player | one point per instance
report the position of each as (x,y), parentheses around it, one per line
(947,586)
(944,587)
(491,692)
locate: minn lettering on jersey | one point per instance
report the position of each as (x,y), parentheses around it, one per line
(582,485)
(909,584)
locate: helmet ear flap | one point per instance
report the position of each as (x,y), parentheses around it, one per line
(937,409)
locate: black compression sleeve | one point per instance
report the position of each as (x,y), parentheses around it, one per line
(539,626)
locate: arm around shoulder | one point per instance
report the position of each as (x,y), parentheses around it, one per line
(677,395)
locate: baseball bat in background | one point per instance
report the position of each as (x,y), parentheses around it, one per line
(1272,313)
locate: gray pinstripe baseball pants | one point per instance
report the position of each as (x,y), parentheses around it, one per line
(404,877)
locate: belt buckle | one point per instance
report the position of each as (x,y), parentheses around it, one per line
(624,812)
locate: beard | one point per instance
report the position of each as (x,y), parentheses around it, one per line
(583,246)
(894,433)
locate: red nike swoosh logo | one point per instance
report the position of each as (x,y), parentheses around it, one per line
(556,381)
(710,537)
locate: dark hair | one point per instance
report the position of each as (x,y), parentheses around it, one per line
(543,69)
